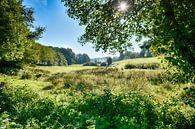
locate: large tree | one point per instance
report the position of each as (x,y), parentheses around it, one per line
(109,61)
(43,55)
(145,49)
(15,35)
(169,24)
(68,54)
(82,58)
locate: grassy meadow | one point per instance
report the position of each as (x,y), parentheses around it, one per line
(61,69)
(96,97)
(122,63)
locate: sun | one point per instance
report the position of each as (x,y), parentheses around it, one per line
(123,6)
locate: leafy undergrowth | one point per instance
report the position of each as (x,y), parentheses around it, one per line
(99,98)
(22,108)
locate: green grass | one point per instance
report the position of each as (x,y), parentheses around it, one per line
(121,64)
(61,69)
(118,64)
(96,97)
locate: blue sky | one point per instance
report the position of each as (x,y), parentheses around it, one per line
(61,31)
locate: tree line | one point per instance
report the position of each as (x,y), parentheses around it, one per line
(18,42)
(39,54)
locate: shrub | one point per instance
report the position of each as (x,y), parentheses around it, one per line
(9,70)
(99,71)
(188,96)
(142,66)
(123,111)
(32,73)
(23,108)
(26,107)
(170,116)
(90,64)
(132,110)
(27,75)
(130,66)
(103,64)
(6,122)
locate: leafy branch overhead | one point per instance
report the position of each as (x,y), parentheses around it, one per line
(169,24)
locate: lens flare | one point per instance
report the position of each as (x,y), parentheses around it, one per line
(123,6)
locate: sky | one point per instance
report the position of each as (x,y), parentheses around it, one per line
(61,31)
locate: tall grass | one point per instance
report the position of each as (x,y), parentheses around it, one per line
(96,98)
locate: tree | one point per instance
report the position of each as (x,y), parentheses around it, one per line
(122,56)
(82,58)
(86,58)
(79,59)
(61,59)
(42,55)
(129,55)
(15,21)
(145,49)
(68,54)
(109,61)
(103,64)
(169,24)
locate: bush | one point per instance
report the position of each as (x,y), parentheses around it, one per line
(132,110)
(32,73)
(103,64)
(23,108)
(170,116)
(142,66)
(122,111)
(90,64)
(9,70)
(27,108)
(6,122)
(188,96)
(99,71)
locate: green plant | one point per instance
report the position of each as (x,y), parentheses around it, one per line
(32,73)
(9,70)
(188,96)
(103,64)
(6,122)
(89,64)
(142,66)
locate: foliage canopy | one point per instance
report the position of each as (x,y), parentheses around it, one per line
(169,24)
(109,61)
(15,35)
(42,55)
(82,58)
(67,53)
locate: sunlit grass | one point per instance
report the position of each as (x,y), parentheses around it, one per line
(72,87)
(121,64)
(61,69)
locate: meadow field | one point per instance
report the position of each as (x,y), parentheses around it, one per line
(82,97)
(61,69)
